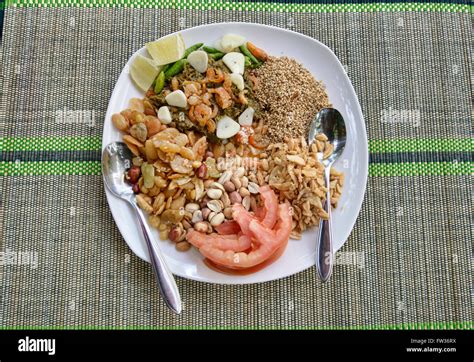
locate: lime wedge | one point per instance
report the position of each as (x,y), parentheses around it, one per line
(167,50)
(144,71)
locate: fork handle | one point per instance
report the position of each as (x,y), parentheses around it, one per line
(324,250)
(166,283)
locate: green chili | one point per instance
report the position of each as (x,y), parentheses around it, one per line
(191,49)
(159,83)
(243,48)
(176,68)
(210,49)
(216,56)
(248,63)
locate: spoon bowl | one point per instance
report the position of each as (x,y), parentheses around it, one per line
(116,160)
(329,122)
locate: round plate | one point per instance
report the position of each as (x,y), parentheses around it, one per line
(300,254)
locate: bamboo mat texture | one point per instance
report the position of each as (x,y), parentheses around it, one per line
(63,262)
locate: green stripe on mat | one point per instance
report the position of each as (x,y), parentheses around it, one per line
(84,143)
(253,6)
(95,142)
(421,169)
(468,325)
(416,145)
(50,168)
(93,168)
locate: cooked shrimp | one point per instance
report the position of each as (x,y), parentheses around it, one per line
(191,114)
(215,111)
(255,82)
(223,98)
(214,75)
(191,88)
(194,100)
(150,93)
(211,126)
(227,83)
(232,242)
(202,113)
(269,241)
(206,99)
(174,83)
(242,98)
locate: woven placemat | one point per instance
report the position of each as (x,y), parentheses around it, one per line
(407,263)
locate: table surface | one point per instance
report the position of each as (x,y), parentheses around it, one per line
(407,263)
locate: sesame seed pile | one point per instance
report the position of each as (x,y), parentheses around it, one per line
(289,96)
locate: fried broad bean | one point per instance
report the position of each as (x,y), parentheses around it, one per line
(167,134)
(120,122)
(153,125)
(136,117)
(181,165)
(137,105)
(139,131)
(149,109)
(148,172)
(187,153)
(169,147)
(133,144)
(181,140)
(150,151)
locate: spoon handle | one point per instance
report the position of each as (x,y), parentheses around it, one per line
(166,282)
(324,251)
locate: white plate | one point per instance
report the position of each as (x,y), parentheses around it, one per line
(324,65)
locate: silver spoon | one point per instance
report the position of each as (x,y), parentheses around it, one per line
(116,160)
(329,122)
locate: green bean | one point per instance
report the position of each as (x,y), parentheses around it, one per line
(243,48)
(171,68)
(175,68)
(254,66)
(248,63)
(216,56)
(191,49)
(210,49)
(159,83)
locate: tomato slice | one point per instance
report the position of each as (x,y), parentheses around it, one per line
(228,227)
(268,215)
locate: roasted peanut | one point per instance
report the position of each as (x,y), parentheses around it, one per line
(201,226)
(133,174)
(229,186)
(235,197)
